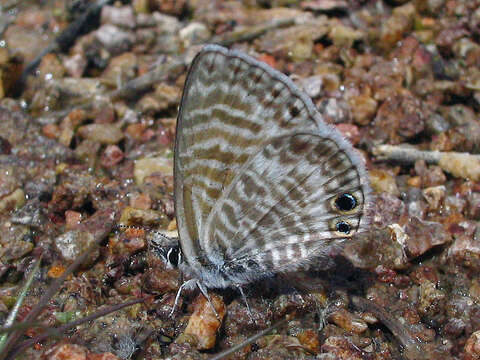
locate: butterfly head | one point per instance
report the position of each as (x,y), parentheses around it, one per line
(172,256)
(167,249)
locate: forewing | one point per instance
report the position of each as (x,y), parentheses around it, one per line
(231,106)
(282,209)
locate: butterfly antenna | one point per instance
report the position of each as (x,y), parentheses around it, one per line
(138,227)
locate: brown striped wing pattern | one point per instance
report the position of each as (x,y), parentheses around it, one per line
(262,184)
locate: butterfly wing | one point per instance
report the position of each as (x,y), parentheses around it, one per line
(233,110)
(290,203)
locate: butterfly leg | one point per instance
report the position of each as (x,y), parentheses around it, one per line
(187,284)
(204,292)
(244,298)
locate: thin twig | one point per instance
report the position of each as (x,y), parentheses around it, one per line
(458,164)
(251,32)
(21,326)
(5,21)
(7,5)
(145,82)
(66,38)
(405,154)
(412,348)
(108,219)
(62,329)
(23,293)
(248,341)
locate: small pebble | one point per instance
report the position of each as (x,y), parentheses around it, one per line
(203,325)
(66,351)
(103,133)
(72,219)
(121,16)
(382,181)
(472,347)
(114,39)
(148,166)
(140,201)
(111,156)
(435,196)
(348,321)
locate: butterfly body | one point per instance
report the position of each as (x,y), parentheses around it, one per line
(262,184)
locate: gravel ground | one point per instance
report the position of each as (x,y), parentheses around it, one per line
(89,92)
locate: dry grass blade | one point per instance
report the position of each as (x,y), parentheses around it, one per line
(21,296)
(105,220)
(251,339)
(412,348)
(140,84)
(22,326)
(66,38)
(463,165)
(252,32)
(61,329)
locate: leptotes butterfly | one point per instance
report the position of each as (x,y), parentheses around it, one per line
(262,184)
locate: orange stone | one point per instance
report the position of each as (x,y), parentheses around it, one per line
(172,225)
(141,201)
(269,59)
(203,324)
(52,131)
(309,339)
(67,351)
(134,232)
(414,181)
(56,271)
(103,356)
(72,219)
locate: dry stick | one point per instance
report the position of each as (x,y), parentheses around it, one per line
(7,18)
(252,32)
(5,21)
(131,89)
(26,344)
(7,5)
(412,348)
(464,165)
(251,339)
(405,154)
(53,288)
(21,326)
(21,296)
(146,81)
(66,37)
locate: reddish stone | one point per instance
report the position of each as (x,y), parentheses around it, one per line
(72,219)
(350,131)
(112,156)
(66,351)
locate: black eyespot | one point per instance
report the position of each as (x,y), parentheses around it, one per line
(343,227)
(346,202)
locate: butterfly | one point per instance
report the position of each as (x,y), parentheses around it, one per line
(262,184)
